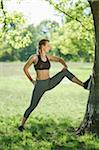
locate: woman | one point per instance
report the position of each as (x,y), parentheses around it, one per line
(43,81)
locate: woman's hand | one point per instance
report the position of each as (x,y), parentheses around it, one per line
(34,82)
(64,68)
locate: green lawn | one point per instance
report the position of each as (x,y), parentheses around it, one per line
(51,125)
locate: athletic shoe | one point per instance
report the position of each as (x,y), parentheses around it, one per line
(21,128)
(88,83)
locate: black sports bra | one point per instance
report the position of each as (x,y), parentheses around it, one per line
(42,65)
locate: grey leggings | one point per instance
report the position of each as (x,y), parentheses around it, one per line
(42,86)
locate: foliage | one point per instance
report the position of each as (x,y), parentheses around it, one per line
(46,28)
(76,36)
(44,134)
(14,37)
(73,40)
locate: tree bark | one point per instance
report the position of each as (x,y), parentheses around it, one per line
(90,122)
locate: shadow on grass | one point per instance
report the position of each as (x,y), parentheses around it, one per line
(44,134)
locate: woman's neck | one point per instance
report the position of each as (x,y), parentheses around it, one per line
(42,53)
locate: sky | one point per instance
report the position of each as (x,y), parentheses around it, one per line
(35,11)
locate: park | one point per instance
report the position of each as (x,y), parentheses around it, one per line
(67,117)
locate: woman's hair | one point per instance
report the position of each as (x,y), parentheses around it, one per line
(42,42)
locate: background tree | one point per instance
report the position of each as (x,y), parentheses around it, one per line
(43,30)
(19,41)
(26,51)
(46,28)
(13,35)
(75,39)
(75,43)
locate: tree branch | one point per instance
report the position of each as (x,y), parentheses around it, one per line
(55,6)
(4,12)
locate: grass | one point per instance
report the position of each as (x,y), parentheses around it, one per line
(51,125)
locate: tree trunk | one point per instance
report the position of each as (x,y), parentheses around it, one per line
(91,118)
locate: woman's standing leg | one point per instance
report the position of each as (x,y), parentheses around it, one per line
(38,91)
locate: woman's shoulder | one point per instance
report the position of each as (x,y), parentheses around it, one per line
(33,57)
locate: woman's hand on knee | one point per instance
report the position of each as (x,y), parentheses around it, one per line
(64,68)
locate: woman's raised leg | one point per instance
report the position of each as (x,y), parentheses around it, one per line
(55,80)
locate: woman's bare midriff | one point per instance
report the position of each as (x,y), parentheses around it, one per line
(42,74)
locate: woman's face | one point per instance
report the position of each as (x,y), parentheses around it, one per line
(47,47)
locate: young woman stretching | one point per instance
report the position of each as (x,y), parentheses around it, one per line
(43,80)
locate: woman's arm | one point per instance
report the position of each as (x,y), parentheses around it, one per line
(27,65)
(57,59)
